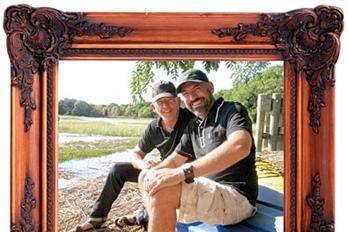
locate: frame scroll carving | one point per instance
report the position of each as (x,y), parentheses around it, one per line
(307,38)
(316,202)
(26,223)
(37,37)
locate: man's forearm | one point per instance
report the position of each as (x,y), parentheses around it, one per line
(137,160)
(172,161)
(228,153)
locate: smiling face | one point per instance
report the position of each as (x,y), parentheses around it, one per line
(167,108)
(198,97)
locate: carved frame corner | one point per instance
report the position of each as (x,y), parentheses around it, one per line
(307,38)
(36,38)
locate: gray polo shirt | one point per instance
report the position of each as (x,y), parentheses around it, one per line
(201,137)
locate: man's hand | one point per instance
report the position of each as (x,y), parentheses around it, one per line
(160,178)
(150,163)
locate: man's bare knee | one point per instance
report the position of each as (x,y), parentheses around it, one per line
(168,196)
(141,177)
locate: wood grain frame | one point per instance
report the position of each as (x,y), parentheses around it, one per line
(307,40)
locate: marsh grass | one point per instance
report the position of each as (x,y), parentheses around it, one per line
(130,129)
(118,120)
(102,128)
(80,150)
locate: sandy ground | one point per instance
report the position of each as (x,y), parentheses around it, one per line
(75,204)
(275,158)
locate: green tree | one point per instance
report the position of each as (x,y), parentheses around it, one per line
(61,107)
(132,110)
(143,74)
(146,112)
(244,71)
(99,111)
(123,109)
(113,110)
(82,108)
(269,81)
(65,106)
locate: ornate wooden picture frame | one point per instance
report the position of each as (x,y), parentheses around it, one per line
(307,40)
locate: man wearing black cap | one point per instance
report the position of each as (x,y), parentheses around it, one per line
(163,133)
(220,187)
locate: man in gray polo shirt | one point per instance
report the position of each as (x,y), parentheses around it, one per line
(220,187)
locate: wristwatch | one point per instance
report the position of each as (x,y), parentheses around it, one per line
(188,172)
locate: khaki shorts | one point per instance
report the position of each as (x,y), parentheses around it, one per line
(213,203)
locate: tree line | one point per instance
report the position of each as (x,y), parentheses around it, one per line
(246,91)
(249,79)
(76,107)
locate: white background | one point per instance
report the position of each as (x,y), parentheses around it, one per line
(184,6)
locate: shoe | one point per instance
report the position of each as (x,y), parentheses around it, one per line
(126,221)
(90,225)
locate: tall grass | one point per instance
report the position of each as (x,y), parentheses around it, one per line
(102,128)
(131,128)
(81,150)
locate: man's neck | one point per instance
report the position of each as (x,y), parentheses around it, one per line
(168,125)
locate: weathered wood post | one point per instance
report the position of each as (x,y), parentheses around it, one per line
(274,121)
(280,140)
(263,104)
(267,109)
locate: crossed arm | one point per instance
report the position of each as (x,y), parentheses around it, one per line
(168,173)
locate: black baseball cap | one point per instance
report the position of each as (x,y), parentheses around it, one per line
(163,89)
(193,75)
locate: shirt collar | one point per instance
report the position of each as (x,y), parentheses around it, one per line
(158,122)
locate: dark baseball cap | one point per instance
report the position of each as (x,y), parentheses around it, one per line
(163,89)
(193,75)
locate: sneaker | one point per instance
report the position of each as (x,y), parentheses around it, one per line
(126,221)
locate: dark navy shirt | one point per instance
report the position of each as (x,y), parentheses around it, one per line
(201,137)
(156,137)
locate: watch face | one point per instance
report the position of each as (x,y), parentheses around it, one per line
(188,171)
(186,166)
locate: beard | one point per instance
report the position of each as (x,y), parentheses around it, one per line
(203,108)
